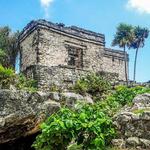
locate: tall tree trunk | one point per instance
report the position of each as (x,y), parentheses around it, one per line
(125,64)
(135,62)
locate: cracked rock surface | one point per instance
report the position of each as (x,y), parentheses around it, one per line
(22,112)
(133,123)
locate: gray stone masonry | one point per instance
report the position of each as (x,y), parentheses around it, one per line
(62,54)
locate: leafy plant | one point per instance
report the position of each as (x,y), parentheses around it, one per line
(7,76)
(3,57)
(27,84)
(8,46)
(87,125)
(74,146)
(140,111)
(125,95)
(120,97)
(92,84)
(55,88)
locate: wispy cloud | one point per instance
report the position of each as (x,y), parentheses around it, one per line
(46,4)
(141,6)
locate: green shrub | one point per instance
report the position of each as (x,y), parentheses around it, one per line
(120,97)
(90,126)
(27,84)
(3,57)
(74,146)
(7,77)
(55,88)
(87,125)
(125,95)
(92,84)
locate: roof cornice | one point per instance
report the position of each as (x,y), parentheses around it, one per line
(61,28)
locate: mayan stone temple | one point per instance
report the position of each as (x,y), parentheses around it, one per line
(55,54)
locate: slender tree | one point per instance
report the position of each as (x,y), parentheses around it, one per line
(140,34)
(123,37)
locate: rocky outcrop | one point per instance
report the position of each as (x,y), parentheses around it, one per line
(69,98)
(22,112)
(133,124)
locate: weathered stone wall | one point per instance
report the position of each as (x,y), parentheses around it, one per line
(53,51)
(60,76)
(28,51)
(46,44)
(116,66)
(113,61)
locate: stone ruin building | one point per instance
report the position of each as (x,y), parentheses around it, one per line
(55,54)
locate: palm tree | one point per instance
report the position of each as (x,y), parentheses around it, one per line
(140,34)
(123,37)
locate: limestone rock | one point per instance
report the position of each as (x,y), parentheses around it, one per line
(133,141)
(88,99)
(71,98)
(55,96)
(70,95)
(133,123)
(21,113)
(145,115)
(118,143)
(145,143)
(142,99)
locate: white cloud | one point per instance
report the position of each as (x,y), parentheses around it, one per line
(142,6)
(46,4)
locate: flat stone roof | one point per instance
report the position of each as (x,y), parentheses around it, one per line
(71,30)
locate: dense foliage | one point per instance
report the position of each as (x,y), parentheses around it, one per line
(92,84)
(124,95)
(86,124)
(8,77)
(3,57)
(26,84)
(8,46)
(121,96)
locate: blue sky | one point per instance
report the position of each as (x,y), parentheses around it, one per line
(98,15)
